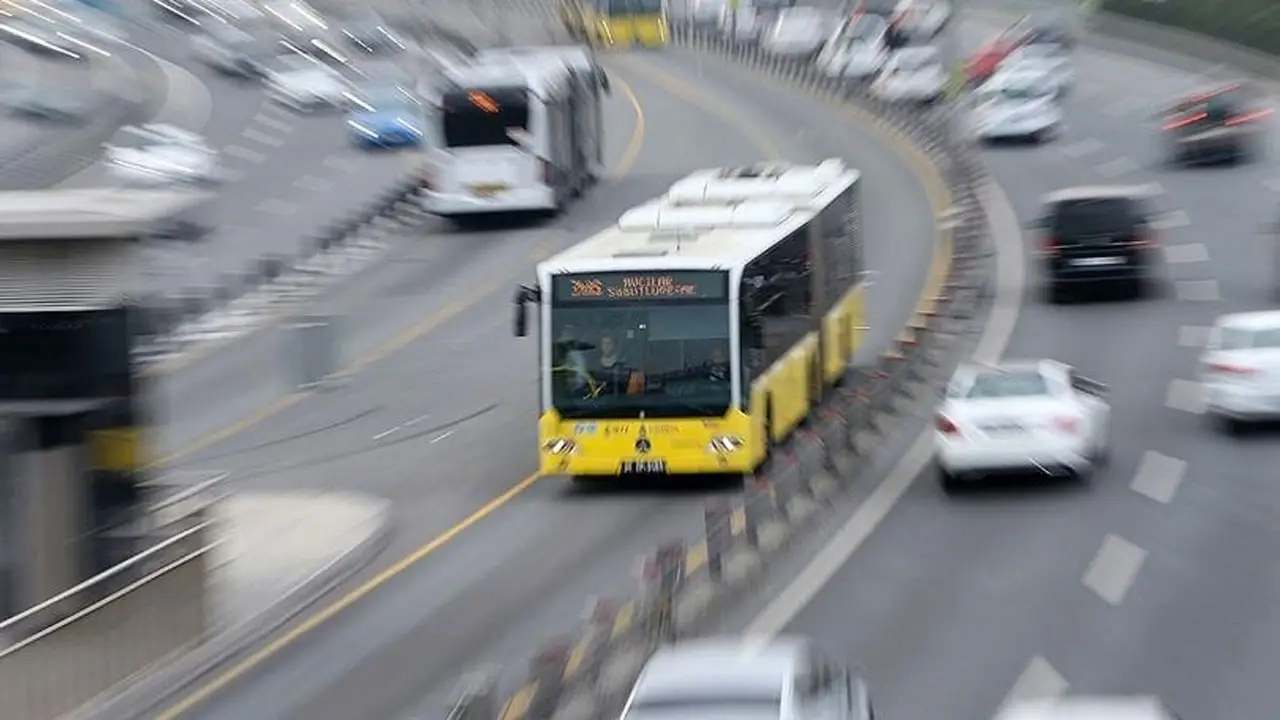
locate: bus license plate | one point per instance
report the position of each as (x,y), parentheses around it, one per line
(643,466)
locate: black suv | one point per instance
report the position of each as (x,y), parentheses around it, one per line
(1222,124)
(1092,236)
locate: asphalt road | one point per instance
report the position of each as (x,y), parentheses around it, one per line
(446,424)
(288,175)
(1157,578)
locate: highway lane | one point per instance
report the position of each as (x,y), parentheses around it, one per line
(485,597)
(1155,578)
(287,175)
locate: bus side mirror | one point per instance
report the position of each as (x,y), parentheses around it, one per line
(523,297)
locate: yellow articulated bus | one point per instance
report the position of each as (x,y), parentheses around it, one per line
(701,329)
(617,23)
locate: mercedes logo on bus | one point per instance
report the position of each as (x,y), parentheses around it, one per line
(643,446)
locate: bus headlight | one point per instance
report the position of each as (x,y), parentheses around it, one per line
(724,444)
(559,446)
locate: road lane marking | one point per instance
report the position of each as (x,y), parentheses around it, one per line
(276,206)
(255,135)
(1010,283)
(311,183)
(1194,336)
(1186,396)
(272,123)
(1197,290)
(1112,571)
(1187,253)
(244,153)
(1077,150)
(204,692)
(1117,167)
(1171,220)
(1038,681)
(1158,476)
(1006,306)
(442,436)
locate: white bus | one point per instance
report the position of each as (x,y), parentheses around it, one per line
(701,329)
(519,130)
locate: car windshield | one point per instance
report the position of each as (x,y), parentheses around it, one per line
(1022,383)
(1092,217)
(916,59)
(1014,91)
(1235,338)
(664,353)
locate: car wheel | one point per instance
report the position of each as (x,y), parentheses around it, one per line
(949,483)
(1235,427)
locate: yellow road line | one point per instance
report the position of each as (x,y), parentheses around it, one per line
(924,172)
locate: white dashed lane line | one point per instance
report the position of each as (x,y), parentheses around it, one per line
(1197,290)
(1116,168)
(243,153)
(1112,571)
(1080,149)
(1188,253)
(1186,396)
(276,206)
(1171,220)
(257,136)
(1193,336)
(311,183)
(272,123)
(1039,681)
(1158,477)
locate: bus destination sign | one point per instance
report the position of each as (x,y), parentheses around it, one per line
(605,286)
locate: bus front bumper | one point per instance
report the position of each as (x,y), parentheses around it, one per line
(683,464)
(511,200)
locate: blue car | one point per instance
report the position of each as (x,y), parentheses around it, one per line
(391,119)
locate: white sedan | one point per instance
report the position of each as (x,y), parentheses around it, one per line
(858,48)
(922,18)
(306,85)
(1032,416)
(797,33)
(1240,369)
(1053,61)
(1016,104)
(913,74)
(161,154)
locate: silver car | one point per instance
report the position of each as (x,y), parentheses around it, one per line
(798,32)
(734,678)
(1089,708)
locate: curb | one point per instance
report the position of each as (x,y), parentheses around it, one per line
(165,326)
(683,584)
(151,689)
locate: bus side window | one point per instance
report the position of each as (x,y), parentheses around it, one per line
(778,283)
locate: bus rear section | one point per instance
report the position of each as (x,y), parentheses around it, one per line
(488,159)
(633,23)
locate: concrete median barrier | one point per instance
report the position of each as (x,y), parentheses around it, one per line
(685,583)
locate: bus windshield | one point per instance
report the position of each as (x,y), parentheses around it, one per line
(658,354)
(484,118)
(632,7)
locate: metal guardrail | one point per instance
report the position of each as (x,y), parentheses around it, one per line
(82,642)
(588,676)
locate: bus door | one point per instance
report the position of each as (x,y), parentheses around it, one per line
(490,142)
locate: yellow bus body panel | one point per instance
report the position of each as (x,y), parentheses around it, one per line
(780,400)
(631,30)
(601,446)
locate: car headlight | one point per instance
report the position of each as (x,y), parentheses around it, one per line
(559,446)
(725,444)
